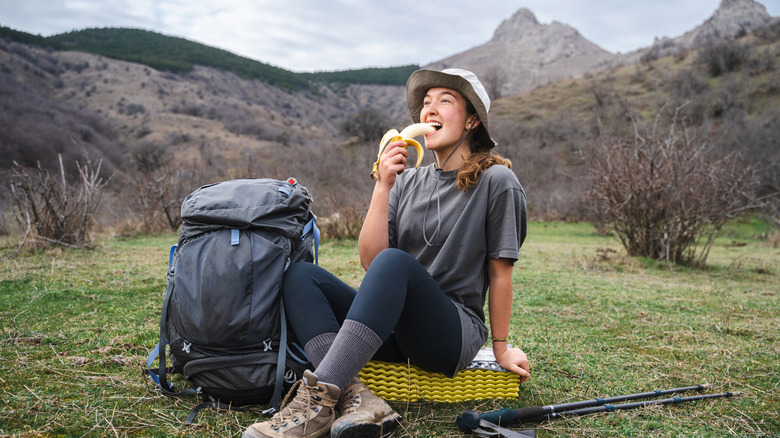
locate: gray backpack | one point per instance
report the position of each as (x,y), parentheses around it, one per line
(222,316)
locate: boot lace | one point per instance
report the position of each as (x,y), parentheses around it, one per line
(351,398)
(297,409)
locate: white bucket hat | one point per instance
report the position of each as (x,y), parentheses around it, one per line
(458,79)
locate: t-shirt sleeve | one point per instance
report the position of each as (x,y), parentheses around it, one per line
(506,223)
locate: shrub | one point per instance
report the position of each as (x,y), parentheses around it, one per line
(57,209)
(157,187)
(368,124)
(723,57)
(666,196)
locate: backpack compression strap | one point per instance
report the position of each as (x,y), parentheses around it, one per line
(159,350)
(281,362)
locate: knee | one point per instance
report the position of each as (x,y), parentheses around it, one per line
(392,257)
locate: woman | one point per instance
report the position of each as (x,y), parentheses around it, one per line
(433,242)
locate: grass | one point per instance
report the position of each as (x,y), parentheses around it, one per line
(76,327)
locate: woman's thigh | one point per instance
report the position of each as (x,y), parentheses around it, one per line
(404,305)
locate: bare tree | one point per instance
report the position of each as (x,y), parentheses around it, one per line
(157,187)
(54,210)
(665,194)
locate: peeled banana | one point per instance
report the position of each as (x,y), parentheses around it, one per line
(407,135)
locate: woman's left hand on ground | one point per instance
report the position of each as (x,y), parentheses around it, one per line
(514,359)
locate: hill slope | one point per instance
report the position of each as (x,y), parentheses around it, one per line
(524,54)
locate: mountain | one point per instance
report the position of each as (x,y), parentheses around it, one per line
(524,54)
(50,97)
(732,18)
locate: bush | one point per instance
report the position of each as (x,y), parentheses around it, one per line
(54,210)
(666,196)
(157,186)
(723,57)
(368,124)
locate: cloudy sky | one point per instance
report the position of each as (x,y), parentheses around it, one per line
(317,35)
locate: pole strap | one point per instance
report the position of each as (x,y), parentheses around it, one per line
(488,429)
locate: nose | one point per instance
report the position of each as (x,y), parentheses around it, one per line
(428,110)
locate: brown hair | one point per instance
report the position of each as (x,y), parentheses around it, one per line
(481,157)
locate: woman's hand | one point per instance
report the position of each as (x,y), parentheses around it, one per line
(392,163)
(513,359)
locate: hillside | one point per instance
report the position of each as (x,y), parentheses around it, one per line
(204,107)
(220,123)
(198,127)
(550,132)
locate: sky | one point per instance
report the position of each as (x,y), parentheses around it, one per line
(328,35)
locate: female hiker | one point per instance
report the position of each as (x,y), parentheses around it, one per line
(433,242)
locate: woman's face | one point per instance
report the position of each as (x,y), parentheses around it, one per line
(445,109)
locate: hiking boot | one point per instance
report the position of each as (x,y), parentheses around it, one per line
(310,414)
(363,414)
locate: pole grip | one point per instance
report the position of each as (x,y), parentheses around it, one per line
(469,420)
(502,417)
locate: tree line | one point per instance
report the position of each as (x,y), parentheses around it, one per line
(179,55)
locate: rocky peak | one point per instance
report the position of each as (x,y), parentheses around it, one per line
(524,54)
(519,24)
(731,18)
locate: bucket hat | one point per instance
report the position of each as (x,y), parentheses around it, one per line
(458,79)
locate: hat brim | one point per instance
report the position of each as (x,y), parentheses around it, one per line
(423,80)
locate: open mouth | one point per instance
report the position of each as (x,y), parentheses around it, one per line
(436,125)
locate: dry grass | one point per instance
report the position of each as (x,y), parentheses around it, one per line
(76,326)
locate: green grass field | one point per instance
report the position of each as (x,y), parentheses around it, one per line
(76,327)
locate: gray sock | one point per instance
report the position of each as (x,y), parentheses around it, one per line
(353,347)
(318,346)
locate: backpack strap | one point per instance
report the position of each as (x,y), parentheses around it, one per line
(311,226)
(281,362)
(159,350)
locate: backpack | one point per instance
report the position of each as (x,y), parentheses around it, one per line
(222,316)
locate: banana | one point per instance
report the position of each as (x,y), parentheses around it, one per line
(407,135)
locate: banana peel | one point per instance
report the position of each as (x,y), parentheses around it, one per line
(407,135)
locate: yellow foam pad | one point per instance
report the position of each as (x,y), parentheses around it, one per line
(482,378)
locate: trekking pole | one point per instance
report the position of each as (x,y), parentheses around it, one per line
(470,420)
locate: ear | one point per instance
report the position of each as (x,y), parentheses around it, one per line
(472,122)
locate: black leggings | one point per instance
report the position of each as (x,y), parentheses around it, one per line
(398,299)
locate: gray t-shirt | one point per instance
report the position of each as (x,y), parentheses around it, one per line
(483,223)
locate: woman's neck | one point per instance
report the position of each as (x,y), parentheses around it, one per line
(446,160)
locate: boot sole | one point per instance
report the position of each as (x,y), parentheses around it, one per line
(366,430)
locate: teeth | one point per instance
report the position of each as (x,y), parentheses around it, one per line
(407,135)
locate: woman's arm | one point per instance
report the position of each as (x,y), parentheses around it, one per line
(500,311)
(374,235)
